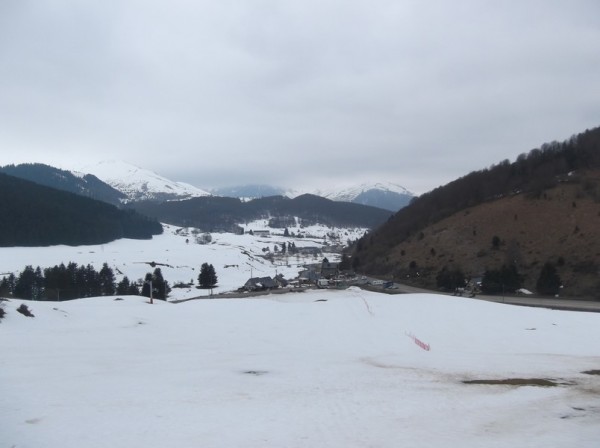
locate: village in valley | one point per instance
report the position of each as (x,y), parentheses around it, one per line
(317,253)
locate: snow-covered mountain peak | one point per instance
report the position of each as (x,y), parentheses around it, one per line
(350,193)
(141,184)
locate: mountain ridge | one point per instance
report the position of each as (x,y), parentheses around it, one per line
(386,195)
(79,183)
(542,209)
(214,213)
(139,184)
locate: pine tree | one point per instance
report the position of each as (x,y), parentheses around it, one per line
(25,283)
(107,280)
(91,283)
(504,280)
(38,284)
(147,285)
(549,281)
(208,276)
(161,287)
(345,263)
(128,288)
(5,287)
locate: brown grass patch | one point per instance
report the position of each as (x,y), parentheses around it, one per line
(540,382)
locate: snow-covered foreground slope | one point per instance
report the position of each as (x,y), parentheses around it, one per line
(316,369)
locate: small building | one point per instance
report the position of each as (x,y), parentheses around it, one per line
(308,276)
(261,233)
(329,270)
(260,284)
(309,250)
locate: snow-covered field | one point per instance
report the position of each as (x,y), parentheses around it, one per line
(235,257)
(314,369)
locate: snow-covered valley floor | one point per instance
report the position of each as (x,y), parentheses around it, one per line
(235,258)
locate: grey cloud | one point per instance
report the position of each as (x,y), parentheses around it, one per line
(292,93)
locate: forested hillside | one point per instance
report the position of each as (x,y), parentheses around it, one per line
(540,205)
(220,213)
(34,215)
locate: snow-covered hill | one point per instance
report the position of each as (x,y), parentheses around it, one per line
(141,184)
(317,369)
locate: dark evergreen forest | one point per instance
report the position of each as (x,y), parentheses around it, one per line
(224,214)
(72,281)
(35,215)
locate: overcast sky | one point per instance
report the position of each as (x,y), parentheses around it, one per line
(311,93)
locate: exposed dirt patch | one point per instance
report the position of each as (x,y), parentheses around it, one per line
(33,421)
(592,372)
(540,382)
(256,372)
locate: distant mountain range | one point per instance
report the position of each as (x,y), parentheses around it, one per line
(387,196)
(181,204)
(384,195)
(118,182)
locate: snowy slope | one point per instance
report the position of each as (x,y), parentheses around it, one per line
(318,369)
(140,184)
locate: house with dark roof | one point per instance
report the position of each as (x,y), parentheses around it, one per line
(308,276)
(329,270)
(260,283)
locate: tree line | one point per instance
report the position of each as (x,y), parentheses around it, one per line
(73,281)
(506,280)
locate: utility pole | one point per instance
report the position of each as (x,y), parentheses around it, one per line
(150,283)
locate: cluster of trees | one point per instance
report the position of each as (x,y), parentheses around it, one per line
(287,248)
(72,281)
(35,215)
(208,276)
(212,213)
(505,280)
(155,285)
(450,279)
